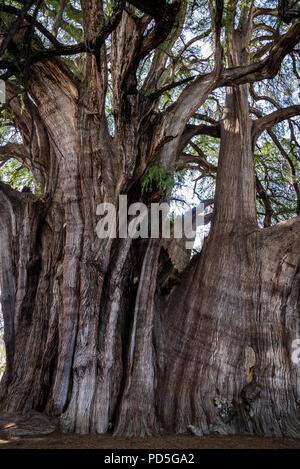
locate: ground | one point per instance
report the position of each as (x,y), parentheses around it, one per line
(62,441)
(36,431)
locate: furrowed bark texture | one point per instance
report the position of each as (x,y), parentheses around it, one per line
(226,358)
(105,334)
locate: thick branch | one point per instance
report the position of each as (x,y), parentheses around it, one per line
(166,88)
(256,97)
(285,13)
(195,94)
(283,233)
(291,165)
(266,202)
(217,16)
(274,118)
(91,45)
(265,11)
(201,160)
(15,26)
(202,129)
(14,197)
(13,150)
(269,67)
(160,10)
(193,130)
(32,21)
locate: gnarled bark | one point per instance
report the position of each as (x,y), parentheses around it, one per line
(91,335)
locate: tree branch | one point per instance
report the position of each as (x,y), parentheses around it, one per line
(160,10)
(200,160)
(32,21)
(261,124)
(158,93)
(266,202)
(13,150)
(283,233)
(91,45)
(285,13)
(265,11)
(269,67)
(15,26)
(291,165)
(201,129)
(16,198)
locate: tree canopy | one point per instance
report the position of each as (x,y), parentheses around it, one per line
(171,48)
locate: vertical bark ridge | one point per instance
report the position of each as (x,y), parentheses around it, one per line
(137,413)
(110,366)
(26,381)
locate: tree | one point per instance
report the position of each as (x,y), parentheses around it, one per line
(2,350)
(103,332)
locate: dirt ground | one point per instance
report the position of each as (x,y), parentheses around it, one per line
(37,431)
(70,441)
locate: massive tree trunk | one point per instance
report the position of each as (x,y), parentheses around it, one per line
(91,336)
(226,358)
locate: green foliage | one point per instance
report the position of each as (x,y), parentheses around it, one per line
(162,179)
(17,176)
(12,171)
(274,172)
(158,178)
